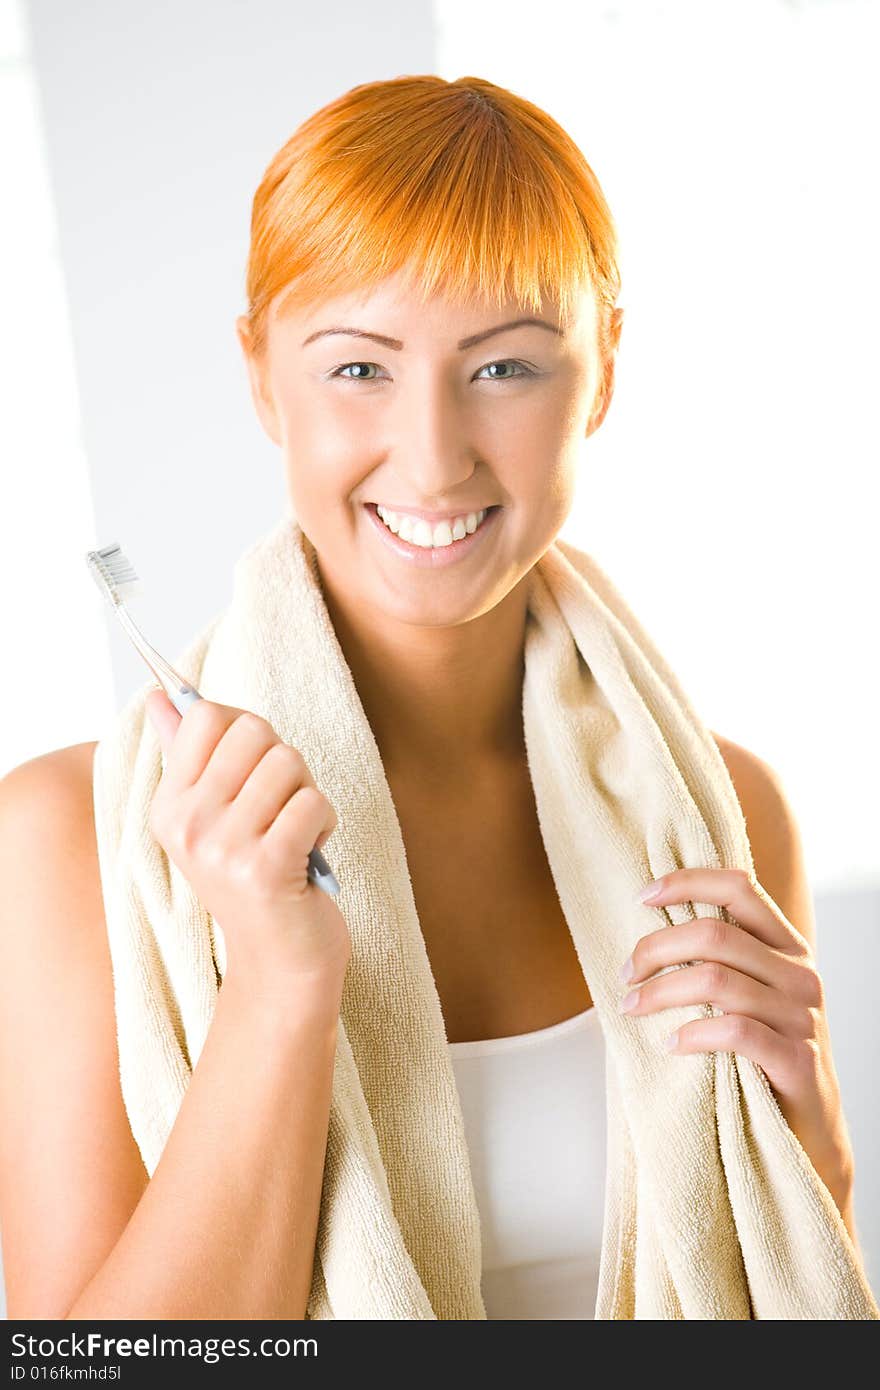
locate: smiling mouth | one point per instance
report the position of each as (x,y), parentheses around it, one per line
(421,544)
(429,533)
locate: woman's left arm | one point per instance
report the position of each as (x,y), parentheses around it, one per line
(761,972)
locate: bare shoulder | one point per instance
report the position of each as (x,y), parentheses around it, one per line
(55,785)
(70,1171)
(774,834)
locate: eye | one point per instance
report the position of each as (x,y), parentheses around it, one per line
(339,370)
(504,362)
(508,362)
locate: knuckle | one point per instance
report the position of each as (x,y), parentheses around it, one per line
(715,934)
(286,757)
(714,976)
(289,767)
(313,798)
(187,828)
(807,1057)
(312,801)
(213,853)
(252,722)
(737,1030)
(814,988)
(186,836)
(243,871)
(807,1026)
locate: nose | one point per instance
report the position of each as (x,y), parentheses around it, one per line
(433,451)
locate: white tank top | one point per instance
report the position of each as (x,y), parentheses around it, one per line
(534,1118)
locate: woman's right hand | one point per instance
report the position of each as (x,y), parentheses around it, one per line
(238,811)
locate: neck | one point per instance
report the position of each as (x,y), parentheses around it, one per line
(439,700)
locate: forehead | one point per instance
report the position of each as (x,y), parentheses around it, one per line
(395,307)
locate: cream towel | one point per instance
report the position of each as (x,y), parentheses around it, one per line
(712,1208)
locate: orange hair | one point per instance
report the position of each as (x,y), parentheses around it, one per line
(463,187)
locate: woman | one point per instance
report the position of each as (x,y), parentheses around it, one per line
(431,334)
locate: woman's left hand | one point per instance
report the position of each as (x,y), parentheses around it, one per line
(761,972)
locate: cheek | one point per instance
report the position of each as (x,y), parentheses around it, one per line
(311,424)
(544,479)
(321,454)
(321,484)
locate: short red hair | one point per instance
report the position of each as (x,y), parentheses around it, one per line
(463,187)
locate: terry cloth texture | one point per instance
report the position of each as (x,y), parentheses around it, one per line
(712,1208)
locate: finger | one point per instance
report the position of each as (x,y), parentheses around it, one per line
(202,726)
(728,989)
(711,938)
(784,1060)
(279,774)
(295,830)
(238,751)
(733,889)
(163,716)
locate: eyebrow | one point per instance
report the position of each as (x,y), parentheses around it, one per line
(465,342)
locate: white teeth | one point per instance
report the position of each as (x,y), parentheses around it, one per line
(419,532)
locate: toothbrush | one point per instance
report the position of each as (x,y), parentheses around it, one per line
(116,578)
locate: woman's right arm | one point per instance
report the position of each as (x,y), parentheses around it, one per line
(226,1226)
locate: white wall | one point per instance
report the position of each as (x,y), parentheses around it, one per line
(726,492)
(730,489)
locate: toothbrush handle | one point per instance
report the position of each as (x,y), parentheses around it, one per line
(319,870)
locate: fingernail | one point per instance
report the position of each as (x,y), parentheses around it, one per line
(653,890)
(626,970)
(671,1042)
(629,1002)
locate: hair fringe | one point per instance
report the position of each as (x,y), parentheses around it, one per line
(463,188)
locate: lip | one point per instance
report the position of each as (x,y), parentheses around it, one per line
(426,556)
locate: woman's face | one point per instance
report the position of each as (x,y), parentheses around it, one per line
(425,423)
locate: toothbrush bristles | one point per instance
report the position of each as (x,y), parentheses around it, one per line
(114,573)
